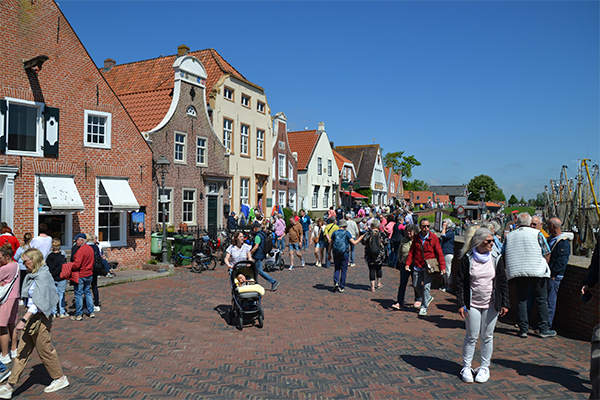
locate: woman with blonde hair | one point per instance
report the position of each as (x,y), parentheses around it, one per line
(317,238)
(36,325)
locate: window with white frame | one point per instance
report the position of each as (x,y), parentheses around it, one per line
(189,206)
(97,129)
(290,172)
(326,197)
(281,166)
(111,223)
(282,145)
(260,143)
(167,193)
(319,166)
(25,127)
(200,150)
(244,190)
(315,197)
(228,93)
(260,107)
(292,200)
(329,168)
(180,147)
(245,100)
(281,200)
(245,138)
(227,133)
(344,173)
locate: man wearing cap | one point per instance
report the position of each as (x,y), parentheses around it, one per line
(340,260)
(258,254)
(231,222)
(83,262)
(328,231)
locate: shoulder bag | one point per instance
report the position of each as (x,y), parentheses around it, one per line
(433,265)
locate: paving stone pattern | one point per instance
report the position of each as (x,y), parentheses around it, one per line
(169,339)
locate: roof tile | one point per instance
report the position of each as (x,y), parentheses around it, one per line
(303,143)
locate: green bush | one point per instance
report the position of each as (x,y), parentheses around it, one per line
(366,192)
(287,214)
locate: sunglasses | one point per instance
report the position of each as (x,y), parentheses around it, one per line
(425,226)
(488,241)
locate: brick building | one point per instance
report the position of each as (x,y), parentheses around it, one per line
(285,166)
(70,155)
(166,98)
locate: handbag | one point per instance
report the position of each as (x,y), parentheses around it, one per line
(6,289)
(433,265)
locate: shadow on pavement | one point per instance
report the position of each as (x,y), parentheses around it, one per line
(426,363)
(446,323)
(320,286)
(38,376)
(358,286)
(223,310)
(563,376)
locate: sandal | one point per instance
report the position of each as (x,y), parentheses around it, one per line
(379,287)
(417,304)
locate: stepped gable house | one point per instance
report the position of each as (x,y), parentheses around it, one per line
(70,155)
(285,166)
(166,97)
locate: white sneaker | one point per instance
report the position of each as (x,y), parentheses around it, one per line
(57,384)
(423,311)
(291,267)
(353,265)
(467,375)
(96,308)
(5,359)
(317,264)
(483,374)
(13,354)
(303,264)
(5,392)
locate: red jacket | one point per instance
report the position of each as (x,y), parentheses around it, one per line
(432,249)
(83,262)
(14,242)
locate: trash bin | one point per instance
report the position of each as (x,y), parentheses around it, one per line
(184,245)
(156,245)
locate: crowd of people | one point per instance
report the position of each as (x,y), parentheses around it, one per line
(525,254)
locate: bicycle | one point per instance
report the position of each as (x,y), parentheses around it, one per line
(203,257)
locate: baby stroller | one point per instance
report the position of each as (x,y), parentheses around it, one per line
(274,260)
(245,296)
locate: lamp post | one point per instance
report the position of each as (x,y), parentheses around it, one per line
(162,165)
(482,197)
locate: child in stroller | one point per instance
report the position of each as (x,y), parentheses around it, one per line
(246,295)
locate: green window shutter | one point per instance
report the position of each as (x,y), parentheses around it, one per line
(3,123)
(51,124)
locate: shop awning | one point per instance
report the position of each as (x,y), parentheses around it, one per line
(355,195)
(62,194)
(120,194)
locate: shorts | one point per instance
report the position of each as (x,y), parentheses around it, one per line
(294,246)
(320,244)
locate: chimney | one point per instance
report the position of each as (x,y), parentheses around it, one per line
(108,64)
(321,127)
(331,144)
(182,50)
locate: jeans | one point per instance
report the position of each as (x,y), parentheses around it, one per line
(540,290)
(404,274)
(327,263)
(479,321)
(281,244)
(61,286)
(305,240)
(394,253)
(351,259)
(553,284)
(448,274)
(95,293)
(82,289)
(259,268)
(341,269)
(422,284)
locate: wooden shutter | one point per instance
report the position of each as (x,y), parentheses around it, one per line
(51,124)
(3,123)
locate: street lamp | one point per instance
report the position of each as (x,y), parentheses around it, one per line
(162,165)
(351,189)
(482,197)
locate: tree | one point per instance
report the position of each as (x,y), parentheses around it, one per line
(401,163)
(492,191)
(513,200)
(416,185)
(522,201)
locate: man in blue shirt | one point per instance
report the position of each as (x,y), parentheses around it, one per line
(305,221)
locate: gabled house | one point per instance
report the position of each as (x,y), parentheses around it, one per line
(285,166)
(425,199)
(370,171)
(395,187)
(348,196)
(452,191)
(70,155)
(166,97)
(318,174)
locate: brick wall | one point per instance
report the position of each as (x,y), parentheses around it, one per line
(289,158)
(71,82)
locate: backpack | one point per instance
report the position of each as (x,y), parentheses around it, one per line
(265,243)
(373,247)
(338,242)
(98,265)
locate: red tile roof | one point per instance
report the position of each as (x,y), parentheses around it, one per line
(146,85)
(303,143)
(340,160)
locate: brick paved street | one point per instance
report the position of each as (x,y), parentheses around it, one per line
(168,338)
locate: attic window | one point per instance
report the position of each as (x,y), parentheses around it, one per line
(228,93)
(260,107)
(191,111)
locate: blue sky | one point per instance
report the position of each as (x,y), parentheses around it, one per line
(507,89)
